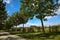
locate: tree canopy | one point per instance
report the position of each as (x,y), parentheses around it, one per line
(3,14)
(40,8)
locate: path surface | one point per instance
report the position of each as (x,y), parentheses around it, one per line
(7,36)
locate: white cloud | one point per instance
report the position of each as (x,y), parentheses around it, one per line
(59,1)
(57,12)
(28,24)
(7,1)
(48,17)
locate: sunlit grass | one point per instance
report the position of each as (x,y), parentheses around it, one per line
(39,35)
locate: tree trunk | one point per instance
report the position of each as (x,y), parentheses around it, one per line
(16,28)
(42,26)
(56,28)
(49,28)
(23,27)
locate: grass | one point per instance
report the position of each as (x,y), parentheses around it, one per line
(38,35)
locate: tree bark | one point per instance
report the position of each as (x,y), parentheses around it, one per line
(16,28)
(42,26)
(23,27)
(49,28)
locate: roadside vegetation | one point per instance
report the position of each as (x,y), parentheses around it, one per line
(52,34)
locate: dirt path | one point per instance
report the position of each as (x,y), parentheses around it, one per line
(7,36)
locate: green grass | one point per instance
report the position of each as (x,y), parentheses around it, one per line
(38,35)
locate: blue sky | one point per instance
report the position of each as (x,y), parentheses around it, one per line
(14,5)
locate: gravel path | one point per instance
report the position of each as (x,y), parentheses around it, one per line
(7,36)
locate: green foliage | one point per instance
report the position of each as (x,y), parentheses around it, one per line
(42,8)
(3,14)
(15,19)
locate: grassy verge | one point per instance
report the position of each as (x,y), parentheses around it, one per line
(38,36)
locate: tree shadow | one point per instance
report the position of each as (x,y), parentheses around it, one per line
(50,35)
(4,34)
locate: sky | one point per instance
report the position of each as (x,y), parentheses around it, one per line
(13,6)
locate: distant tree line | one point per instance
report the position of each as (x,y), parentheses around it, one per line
(35,29)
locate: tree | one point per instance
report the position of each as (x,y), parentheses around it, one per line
(16,19)
(23,19)
(12,21)
(20,18)
(8,23)
(23,15)
(3,14)
(41,8)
